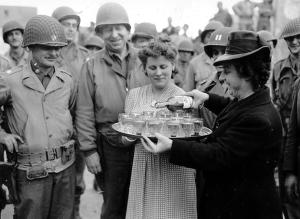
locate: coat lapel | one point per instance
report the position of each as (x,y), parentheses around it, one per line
(56,82)
(31,81)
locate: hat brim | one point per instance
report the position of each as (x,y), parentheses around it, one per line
(141,35)
(52,44)
(227,57)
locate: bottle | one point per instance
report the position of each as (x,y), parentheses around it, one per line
(176,103)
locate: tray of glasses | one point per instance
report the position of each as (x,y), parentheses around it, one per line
(132,132)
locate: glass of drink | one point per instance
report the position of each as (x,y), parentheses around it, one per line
(121,119)
(173,127)
(187,126)
(128,124)
(198,124)
(154,126)
(147,115)
(139,126)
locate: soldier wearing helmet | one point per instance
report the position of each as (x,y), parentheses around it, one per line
(94,44)
(143,34)
(105,79)
(214,48)
(13,36)
(185,54)
(73,55)
(201,66)
(38,98)
(72,58)
(285,73)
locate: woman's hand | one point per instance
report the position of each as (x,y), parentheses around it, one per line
(11,142)
(198,96)
(291,187)
(163,144)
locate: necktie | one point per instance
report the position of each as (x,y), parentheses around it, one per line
(45,81)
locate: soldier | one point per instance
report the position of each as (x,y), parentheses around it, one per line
(223,15)
(72,58)
(170,29)
(105,80)
(94,44)
(201,66)
(244,9)
(285,73)
(13,36)
(38,99)
(143,34)
(213,49)
(186,53)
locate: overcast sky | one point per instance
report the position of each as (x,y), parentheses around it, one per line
(196,13)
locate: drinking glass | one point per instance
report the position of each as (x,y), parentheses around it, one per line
(154,125)
(139,126)
(198,124)
(187,126)
(173,128)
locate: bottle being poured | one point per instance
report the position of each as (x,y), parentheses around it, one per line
(175,103)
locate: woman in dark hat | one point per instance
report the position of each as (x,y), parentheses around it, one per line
(239,158)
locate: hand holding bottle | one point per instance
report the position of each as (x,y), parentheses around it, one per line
(199,97)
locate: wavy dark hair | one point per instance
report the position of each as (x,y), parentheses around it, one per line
(255,68)
(159,47)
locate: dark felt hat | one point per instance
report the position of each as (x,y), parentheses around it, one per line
(242,44)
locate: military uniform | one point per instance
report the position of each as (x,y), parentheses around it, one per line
(72,57)
(41,117)
(102,90)
(15,61)
(38,105)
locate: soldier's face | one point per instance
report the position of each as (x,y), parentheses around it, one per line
(45,56)
(217,51)
(70,27)
(15,38)
(141,42)
(115,37)
(294,44)
(185,56)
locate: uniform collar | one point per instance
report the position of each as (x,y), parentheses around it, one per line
(31,80)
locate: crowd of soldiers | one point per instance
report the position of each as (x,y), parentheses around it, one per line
(51,87)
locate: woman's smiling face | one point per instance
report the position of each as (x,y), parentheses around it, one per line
(159,71)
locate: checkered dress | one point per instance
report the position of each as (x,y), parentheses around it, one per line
(158,189)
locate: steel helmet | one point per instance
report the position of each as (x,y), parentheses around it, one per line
(292,28)
(44,30)
(94,41)
(9,26)
(64,12)
(217,38)
(186,45)
(211,26)
(111,13)
(146,30)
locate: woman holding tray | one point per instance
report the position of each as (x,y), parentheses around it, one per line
(239,158)
(158,189)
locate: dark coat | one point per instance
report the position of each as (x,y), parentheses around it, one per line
(291,156)
(238,159)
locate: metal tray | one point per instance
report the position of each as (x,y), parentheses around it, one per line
(204,133)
